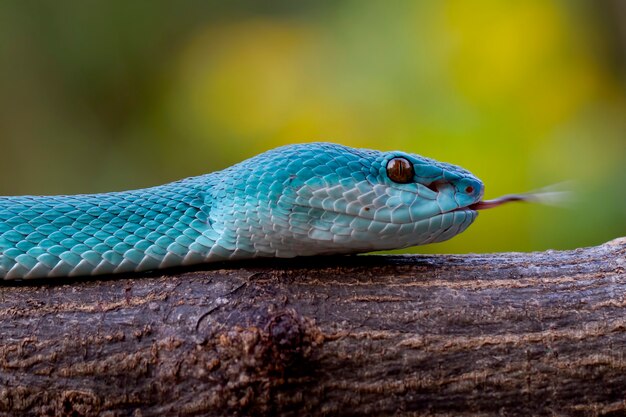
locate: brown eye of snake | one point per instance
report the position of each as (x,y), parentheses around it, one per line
(400,170)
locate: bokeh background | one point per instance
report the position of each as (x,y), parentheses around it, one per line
(117,94)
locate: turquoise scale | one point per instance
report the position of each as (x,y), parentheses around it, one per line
(298,200)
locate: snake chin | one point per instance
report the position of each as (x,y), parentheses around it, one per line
(335,232)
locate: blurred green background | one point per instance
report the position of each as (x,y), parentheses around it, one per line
(113,95)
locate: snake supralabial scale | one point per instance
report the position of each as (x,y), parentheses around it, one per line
(297,200)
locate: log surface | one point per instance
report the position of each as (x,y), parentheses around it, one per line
(447,335)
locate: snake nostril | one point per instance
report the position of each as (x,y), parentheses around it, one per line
(469,189)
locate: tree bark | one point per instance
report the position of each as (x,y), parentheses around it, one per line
(445,335)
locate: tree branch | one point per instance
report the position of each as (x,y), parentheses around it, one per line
(507,333)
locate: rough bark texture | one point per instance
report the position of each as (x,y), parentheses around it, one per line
(498,334)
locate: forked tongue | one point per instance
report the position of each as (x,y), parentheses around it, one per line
(548,195)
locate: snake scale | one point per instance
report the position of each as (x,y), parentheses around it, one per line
(296,200)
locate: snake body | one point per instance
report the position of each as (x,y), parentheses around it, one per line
(296,200)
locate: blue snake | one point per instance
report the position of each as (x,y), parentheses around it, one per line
(297,200)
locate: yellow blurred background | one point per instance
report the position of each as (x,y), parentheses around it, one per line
(112,95)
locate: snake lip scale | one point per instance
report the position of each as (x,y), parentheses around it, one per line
(296,200)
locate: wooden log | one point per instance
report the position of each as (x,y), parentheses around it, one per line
(445,335)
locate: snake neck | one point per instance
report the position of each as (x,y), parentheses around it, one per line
(129,231)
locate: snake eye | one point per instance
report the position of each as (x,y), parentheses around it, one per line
(400,170)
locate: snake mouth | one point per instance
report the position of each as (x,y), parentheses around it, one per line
(471,207)
(466,209)
(379,204)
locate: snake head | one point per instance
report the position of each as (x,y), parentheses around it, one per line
(322,198)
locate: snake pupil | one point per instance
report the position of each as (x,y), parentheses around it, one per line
(400,170)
